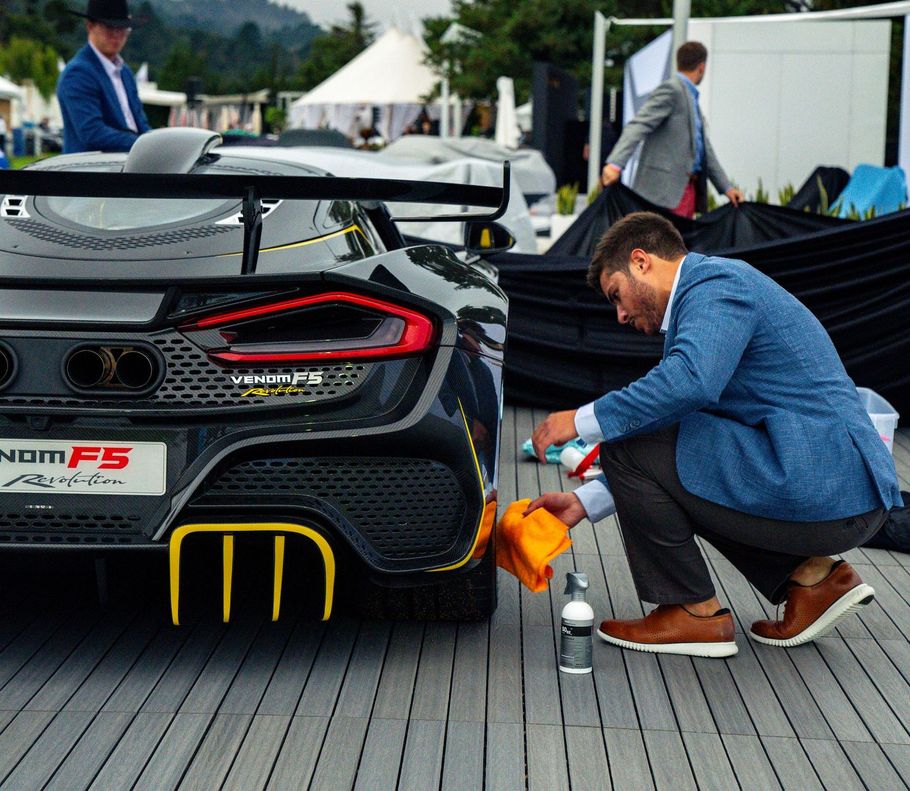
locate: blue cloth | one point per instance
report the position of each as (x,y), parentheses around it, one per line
(553,451)
(770,423)
(92,118)
(883,188)
(699,124)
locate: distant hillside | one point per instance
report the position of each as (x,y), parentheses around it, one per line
(277,23)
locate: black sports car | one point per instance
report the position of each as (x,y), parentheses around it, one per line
(199,349)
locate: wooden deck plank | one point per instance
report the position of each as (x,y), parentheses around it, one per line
(669,765)
(587,758)
(256,756)
(362,680)
(628,759)
(464,757)
(421,764)
(292,671)
(751,764)
(505,758)
(541,685)
(791,764)
(297,759)
(29,642)
(396,684)
(547,766)
(96,689)
(41,666)
(79,768)
(831,764)
(172,756)
(468,697)
(32,731)
(127,760)
(380,761)
(249,685)
(504,683)
(710,763)
(82,662)
(434,673)
(213,759)
(873,766)
(327,675)
(681,676)
(340,754)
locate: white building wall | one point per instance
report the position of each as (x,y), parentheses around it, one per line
(783,98)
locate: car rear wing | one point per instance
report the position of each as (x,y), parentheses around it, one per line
(251,189)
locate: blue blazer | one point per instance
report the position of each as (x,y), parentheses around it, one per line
(92,118)
(769,422)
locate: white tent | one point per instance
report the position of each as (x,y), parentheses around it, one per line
(389,74)
(9,90)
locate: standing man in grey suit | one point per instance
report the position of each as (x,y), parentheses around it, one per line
(676,156)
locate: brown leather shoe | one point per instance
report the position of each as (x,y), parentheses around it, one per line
(811,611)
(672,629)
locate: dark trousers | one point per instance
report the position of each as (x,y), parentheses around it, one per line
(659,520)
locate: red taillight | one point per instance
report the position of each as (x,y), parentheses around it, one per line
(414,332)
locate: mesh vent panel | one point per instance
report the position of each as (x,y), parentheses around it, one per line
(88,527)
(55,235)
(404,507)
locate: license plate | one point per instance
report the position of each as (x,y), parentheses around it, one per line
(84,467)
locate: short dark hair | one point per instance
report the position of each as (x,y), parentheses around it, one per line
(691,55)
(644,229)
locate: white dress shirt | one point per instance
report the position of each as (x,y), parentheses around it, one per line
(595,496)
(114,69)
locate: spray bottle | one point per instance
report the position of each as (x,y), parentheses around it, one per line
(575,643)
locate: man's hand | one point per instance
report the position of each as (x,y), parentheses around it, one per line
(565,506)
(609,175)
(557,429)
(736,197)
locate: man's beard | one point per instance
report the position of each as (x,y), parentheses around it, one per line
(649,317)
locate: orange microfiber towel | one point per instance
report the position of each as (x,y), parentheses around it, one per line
(525,545)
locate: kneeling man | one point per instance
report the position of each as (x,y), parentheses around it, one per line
(748,433)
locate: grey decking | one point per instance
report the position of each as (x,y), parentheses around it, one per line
(116,698)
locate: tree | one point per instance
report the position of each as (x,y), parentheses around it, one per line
(331,51)
(26,59)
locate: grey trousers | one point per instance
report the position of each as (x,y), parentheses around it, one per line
(659,520)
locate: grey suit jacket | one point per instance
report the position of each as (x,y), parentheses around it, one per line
(666,126)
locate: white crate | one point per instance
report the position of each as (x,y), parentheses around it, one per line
(884,417)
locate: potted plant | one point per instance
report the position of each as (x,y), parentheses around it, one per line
(566,198)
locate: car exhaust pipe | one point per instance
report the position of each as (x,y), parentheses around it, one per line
(134,369)
(7,365)
(87,368)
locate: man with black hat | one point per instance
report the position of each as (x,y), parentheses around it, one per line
(97,91)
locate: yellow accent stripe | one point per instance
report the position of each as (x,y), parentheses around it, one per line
(467,557)
(336,234)
(227,560)
(279,577)
(227,530)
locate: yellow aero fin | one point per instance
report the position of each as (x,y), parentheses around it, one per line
(280,530)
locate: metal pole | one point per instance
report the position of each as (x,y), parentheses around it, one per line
(444,115)
(595,118)
(681,9)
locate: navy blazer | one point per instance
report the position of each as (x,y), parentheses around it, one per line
(769,422)
(92,118)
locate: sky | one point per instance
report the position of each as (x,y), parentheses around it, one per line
(403,13)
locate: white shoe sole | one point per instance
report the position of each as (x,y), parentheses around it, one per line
(715,650)
(853,600)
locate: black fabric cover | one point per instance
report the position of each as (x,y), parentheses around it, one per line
(809,195)
(565,347)
(721,229)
